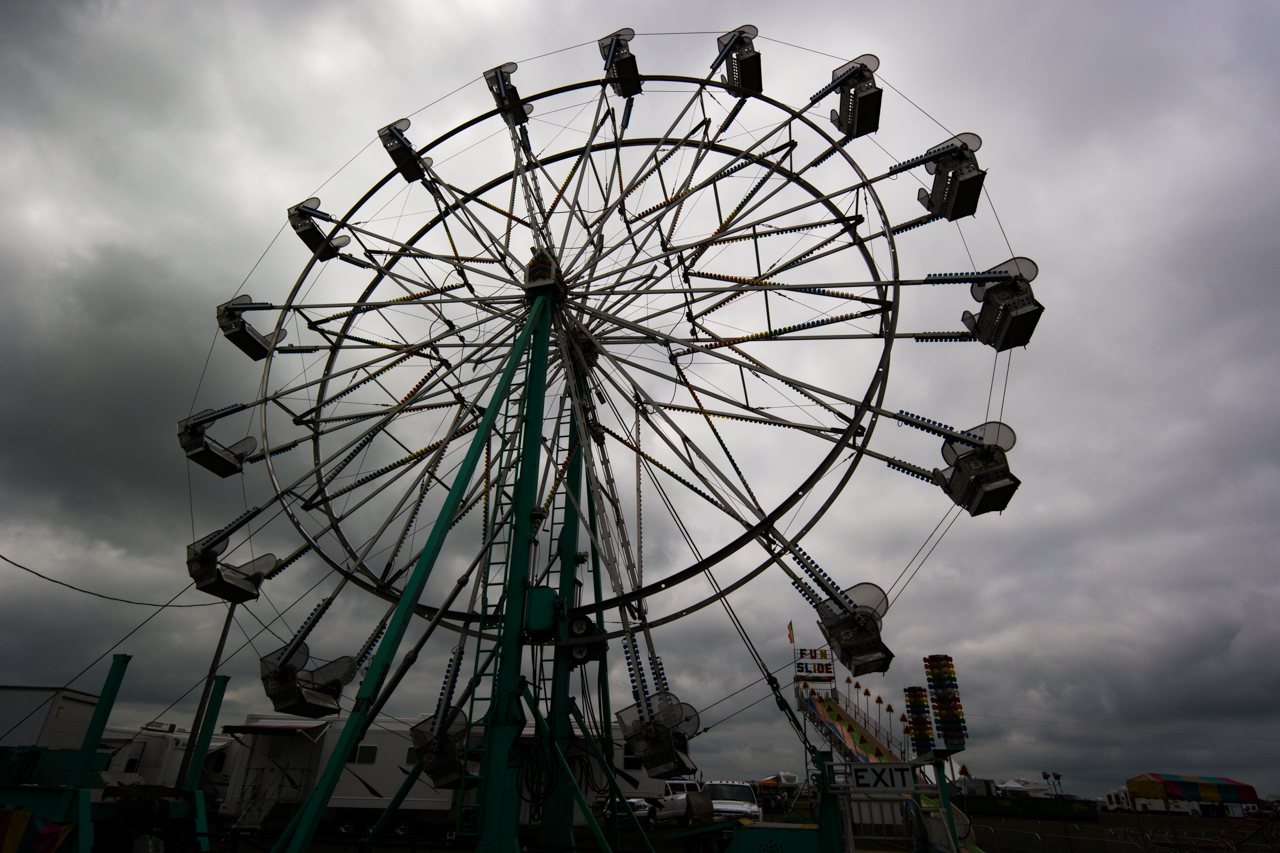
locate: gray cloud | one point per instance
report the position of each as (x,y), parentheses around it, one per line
(1118,619)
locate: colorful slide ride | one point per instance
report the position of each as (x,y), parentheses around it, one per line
(844,732)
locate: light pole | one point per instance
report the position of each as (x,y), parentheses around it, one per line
(879,702)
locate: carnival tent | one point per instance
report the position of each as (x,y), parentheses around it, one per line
(1197,789)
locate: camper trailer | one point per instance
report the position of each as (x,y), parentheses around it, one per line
(152,755)
(276,760)
(1117,800)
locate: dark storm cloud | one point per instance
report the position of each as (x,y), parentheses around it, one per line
(1118,619)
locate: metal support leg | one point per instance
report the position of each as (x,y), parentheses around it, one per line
(608,772)
(499,787)
(200,744)
(389,813)
(298,837)
(557,814)
(939,773)
(564,767)
(198,723)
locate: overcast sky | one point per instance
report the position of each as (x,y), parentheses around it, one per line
(1119,618)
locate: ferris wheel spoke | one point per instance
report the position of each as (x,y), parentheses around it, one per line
(775,334)
(640,174)
(406,352)
(660,337)
(635,389)
(327,470)
(474,225)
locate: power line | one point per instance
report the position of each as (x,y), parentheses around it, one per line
(106,597)
(748,687)
(160,609)
(736,713)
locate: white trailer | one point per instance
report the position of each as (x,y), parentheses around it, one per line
(276,760)
(50,717)
(152,755)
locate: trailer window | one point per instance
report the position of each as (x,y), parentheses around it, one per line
(363,754)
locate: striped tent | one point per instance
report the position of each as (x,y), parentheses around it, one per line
(1197,789)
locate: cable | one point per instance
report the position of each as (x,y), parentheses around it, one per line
(249,274)
(1008,363)
(992,205)
(991,389)
(107,597)
(921,548)
(799,47)
(116,645)
(922,562)
(736,713)
(917,106)
(748,687)
(248,642)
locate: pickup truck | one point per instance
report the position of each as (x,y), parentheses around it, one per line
(732,800)
(674,802)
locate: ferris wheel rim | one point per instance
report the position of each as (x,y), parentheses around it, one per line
(789,175)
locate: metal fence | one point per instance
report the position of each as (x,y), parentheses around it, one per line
(1073,838)
(1000,839)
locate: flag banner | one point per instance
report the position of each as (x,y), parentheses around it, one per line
(791,634)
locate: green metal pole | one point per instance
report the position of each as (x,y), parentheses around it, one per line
(557,814)
(389,813)
(564,767)
(101,713)
(198,722)
(200,749)
(613,780)
(499,785)
(298,837)
(602,669)
(940,774)
(831,827)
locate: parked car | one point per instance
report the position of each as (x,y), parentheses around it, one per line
(640,808)
(732,800)
(674,802)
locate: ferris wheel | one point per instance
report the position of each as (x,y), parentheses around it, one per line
(579,367)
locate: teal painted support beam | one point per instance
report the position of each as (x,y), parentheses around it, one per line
(499,786)
(557,814)
(203,705)
(389,813)
(602,668)
(202,822)
(564,767)
(101,713)
(619,797)
(200,749)
(830,824)
(297,837)
(84,809)
(939,773)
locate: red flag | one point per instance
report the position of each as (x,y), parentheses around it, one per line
(791,634)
